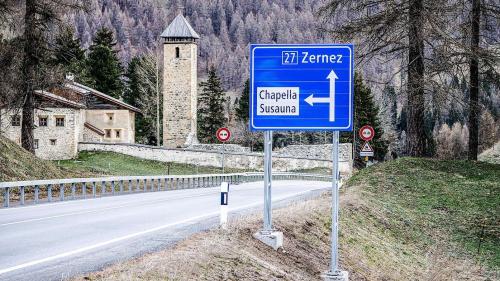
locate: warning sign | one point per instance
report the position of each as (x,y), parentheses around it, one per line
(366,150)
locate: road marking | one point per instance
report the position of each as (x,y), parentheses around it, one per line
(128,204)
(126,237)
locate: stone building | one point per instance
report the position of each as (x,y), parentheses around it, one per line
(180,83)
(71,114)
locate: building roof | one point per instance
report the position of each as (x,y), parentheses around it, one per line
(56,98)
(180,28)
(84,89)
(94,129)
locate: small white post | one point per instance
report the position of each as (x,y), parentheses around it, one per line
(224,193)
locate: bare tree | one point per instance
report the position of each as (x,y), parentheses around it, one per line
(431,38)
(149,72)
(474,81)
(389,28)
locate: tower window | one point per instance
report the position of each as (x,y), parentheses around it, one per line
(177,53)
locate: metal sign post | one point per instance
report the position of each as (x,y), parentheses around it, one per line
(268,177)
(223,156)
(334,264)
(223,135)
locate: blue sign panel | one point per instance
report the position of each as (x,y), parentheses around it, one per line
(301,87)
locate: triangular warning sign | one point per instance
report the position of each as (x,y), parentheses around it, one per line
(367,148)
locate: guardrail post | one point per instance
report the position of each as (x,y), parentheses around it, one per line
(49,192)
(6,197)
(37,190)
(138,185)
(21,190)
(129,186)
(93,189)
(61,191)
(73,191)
(84,189)
(121,187)
(113,187)
(103,187)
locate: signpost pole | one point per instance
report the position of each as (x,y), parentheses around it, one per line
(334,273)
(268,166)
(223,156)
(335,202)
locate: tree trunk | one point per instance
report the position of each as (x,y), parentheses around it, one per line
(415,128)
(30,63)
(474,82)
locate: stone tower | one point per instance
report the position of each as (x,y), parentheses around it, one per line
(180,82)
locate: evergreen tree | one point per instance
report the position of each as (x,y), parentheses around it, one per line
(211,115)
(131,93)
(105,70)
(69,54)
(242,111)
(366,113)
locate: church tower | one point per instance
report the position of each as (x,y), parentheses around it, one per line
(180,82)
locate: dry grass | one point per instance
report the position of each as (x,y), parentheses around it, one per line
(18,164)
(369,251)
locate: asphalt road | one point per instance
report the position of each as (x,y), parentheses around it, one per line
(59,240)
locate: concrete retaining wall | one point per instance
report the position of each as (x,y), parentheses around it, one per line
(250,161)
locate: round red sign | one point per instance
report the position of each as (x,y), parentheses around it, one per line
(223,134)
(367,133)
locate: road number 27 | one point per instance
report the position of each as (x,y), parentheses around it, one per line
(289,57)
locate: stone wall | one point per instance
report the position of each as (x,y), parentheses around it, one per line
(54,142)
(321,151)
(249,161)
(218,147)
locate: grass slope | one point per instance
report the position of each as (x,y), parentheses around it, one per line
(429,201)
(110,163)
(411,219)
(18,164)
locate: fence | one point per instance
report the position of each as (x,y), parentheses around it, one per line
(35,192)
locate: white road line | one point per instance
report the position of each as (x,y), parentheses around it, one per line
(122,238)
(128,204)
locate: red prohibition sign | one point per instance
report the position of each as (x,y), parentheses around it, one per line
(223,134)
(367,133)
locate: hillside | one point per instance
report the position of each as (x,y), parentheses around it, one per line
(226,27)
(18,164)
(410,219)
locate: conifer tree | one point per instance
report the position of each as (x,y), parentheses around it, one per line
(366,113)
(242,111)
(105,70)
(211,115)
(69,54)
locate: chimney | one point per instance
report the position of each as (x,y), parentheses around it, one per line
(70,77)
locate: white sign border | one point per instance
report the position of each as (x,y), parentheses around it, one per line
(301,46)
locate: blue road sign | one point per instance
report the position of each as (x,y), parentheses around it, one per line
(301,87)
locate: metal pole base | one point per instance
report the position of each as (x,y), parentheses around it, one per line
(336,276)
(273,239)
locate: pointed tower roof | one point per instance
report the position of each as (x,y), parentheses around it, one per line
(180,28)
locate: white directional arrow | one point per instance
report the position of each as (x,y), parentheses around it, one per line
(311,100)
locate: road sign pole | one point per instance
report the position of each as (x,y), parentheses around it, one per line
(223,156)
(268,166)
(335,203)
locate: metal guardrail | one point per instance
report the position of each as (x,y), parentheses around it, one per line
(40,191)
